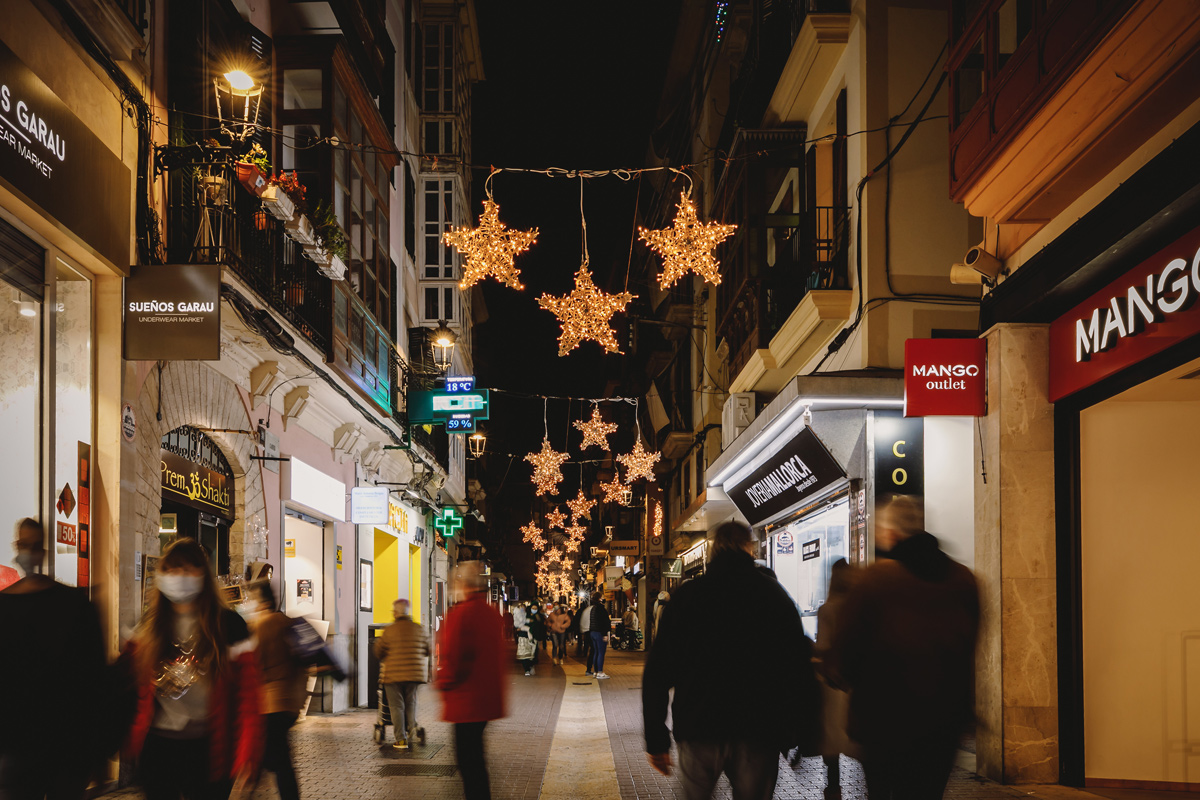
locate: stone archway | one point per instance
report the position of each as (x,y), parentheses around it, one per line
(196,395)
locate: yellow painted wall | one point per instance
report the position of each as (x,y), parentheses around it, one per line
(415,596)
(1141,630)
(387,576)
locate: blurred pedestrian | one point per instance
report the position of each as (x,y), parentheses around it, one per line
(904,644)
(526,649)
(723,721)
(198,730)
(558,622)
(585,641)
(835,702)
(537,629)
(403,653)
(660,604)
(470,676)
(284,685)
(51,666)
(599,627)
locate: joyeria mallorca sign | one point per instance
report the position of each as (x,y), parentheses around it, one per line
(945,378)
(1150,308)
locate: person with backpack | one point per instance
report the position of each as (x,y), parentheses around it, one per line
(723,721)
(284,685)
(403,653)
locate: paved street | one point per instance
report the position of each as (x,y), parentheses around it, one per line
(566,736)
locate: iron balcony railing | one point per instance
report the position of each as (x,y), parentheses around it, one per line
(212,218)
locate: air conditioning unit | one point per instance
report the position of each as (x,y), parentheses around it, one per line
(736,416)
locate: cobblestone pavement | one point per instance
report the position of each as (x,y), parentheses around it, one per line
(336,756)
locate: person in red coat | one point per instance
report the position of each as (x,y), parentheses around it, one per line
(470,675)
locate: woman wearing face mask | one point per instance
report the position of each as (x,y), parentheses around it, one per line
(198,729)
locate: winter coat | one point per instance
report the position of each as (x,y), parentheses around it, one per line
(905,646)
(284,679)
(537,627)
(835,701)
(717,698)
(236,729)
(403,652)
(559,621)
(470,674)
(598,619)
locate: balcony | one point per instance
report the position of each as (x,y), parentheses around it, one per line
(213,219)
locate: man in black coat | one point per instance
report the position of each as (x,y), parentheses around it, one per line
(720,635)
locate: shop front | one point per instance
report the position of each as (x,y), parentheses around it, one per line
(1125,380)
(60,257)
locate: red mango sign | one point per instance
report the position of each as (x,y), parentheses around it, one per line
(945,378)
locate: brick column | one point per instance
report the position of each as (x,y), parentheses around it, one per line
(1017,666)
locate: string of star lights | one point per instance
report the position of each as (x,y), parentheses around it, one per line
(546,468)
(688,244)
(490,250)
(658,519)
(585,313)
(638,462)
(580,507)
(556,519)
(613,492)
(595,430)
(533,536)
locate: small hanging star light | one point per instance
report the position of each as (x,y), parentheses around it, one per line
(639,463)
(556,519)
(585,313)
(595,430)
(688,244)
(489,250)
(575,532)
(580,507)
(614,492)
(571,545)
(533,535)
(546,468)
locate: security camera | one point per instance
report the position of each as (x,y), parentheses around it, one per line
(961,274)
(439,498)
(983,262)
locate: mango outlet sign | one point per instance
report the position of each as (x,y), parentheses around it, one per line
(945,377)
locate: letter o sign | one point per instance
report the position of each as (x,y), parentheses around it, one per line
(899,476)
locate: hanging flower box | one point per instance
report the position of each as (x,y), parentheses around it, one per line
(253,178)
(317,253)
(335,271)
(301,230)
(278,204)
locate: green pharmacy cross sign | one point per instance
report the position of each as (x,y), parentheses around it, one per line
(457,406)
(448,522)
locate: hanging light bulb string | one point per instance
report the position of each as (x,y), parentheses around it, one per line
(583,220)
(546,417)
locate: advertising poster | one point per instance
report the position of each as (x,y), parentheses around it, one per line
(304,589)
(785,544)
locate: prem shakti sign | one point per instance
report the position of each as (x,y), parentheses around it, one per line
(802,469)
(196,486)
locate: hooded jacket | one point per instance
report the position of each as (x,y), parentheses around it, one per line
(905,647)
(470,675)
(719,693)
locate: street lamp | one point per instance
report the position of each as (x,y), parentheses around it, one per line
(237,85)
(443,340)
(477,441)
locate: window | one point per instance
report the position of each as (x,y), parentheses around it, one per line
(1014,20)
(410,213)
(968,83)
(437,73)
(302,89)
(440,303)
(439,216)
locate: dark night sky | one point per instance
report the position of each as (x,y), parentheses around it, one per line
(572,85)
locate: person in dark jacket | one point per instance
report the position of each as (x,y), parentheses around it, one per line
(470,675)
(905,647)
(284,685)
(599,626)
(723,721)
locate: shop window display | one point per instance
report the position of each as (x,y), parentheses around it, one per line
(20,398)
(803,554)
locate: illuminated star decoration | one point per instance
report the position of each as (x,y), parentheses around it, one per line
(595,430)
(580,507)
(555,519)
(571,545)
(575,532)
(638,463)
(585,313)
(533,535)
(687,246)
(613,492)
(490,248)
(546,472)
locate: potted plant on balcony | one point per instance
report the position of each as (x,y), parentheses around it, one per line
(332,248)
(284,197)
(213,185)
(253,169)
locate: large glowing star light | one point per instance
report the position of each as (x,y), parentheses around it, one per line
(639,463)
(595,430)
(687,245)
(586,313)
(490,249)
(546,468)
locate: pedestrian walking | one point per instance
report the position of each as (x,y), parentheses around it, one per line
(284,685)
(835,702)
(599,626)
(470,676)
(198,729)
(403,653)
(558,622)
(51,669)
(904,644)
(585,639)
(723,721)
(526,649)
(660,604)
(537,630)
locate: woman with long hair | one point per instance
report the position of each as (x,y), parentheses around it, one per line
(197,729)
